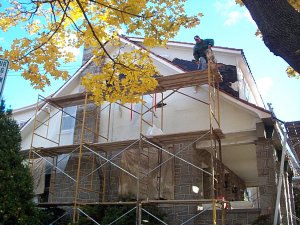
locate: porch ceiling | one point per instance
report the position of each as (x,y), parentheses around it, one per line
(241,159)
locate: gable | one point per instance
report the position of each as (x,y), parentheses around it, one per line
(183,113)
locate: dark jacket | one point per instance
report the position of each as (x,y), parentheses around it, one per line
(200,48)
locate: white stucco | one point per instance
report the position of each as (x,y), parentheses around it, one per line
(181,113)
(24,114)
(241,159)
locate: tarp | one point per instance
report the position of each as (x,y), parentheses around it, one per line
(155,182)
(38,174)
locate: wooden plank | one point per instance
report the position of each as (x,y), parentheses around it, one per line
(69,100)
(120,145)
(165,83)
(143,202)
(189,136)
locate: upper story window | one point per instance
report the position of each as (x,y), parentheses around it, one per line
(68,118)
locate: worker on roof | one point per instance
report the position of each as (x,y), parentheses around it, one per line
(199,51)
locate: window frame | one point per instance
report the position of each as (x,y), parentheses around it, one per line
(68,119)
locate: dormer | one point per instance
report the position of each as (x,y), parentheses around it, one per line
(237,77)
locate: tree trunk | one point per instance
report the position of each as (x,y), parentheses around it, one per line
(279,24)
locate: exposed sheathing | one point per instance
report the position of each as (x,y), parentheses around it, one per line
(229,75)
(228,72)
(185,64)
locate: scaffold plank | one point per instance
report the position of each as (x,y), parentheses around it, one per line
(119,145)
(143,202)
(165,83)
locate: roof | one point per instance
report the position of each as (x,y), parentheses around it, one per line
(186,43)
(133,40)
(228,72)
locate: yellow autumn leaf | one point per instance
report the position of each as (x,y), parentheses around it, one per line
(54,27)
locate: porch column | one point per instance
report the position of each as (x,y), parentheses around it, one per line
(266,166)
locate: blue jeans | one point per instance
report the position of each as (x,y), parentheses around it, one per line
(202,64)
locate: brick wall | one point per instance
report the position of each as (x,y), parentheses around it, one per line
(112,176)
(63,188)
(185,177)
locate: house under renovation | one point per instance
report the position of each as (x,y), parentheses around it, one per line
(202,147)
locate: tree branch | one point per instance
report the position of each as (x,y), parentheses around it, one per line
(92,29)
(116,9)
(49,38)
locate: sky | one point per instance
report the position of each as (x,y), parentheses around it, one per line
(230,26)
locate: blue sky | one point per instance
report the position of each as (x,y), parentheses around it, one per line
(230,26)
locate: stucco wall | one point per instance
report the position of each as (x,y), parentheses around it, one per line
(181,114)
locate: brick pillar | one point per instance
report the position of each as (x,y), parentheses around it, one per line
(266,166)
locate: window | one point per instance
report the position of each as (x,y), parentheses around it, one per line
(68,118)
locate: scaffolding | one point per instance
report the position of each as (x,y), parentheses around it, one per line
(100,154)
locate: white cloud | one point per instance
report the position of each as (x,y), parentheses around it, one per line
(232,12)
(233,17)
(224,6)
(264,85)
